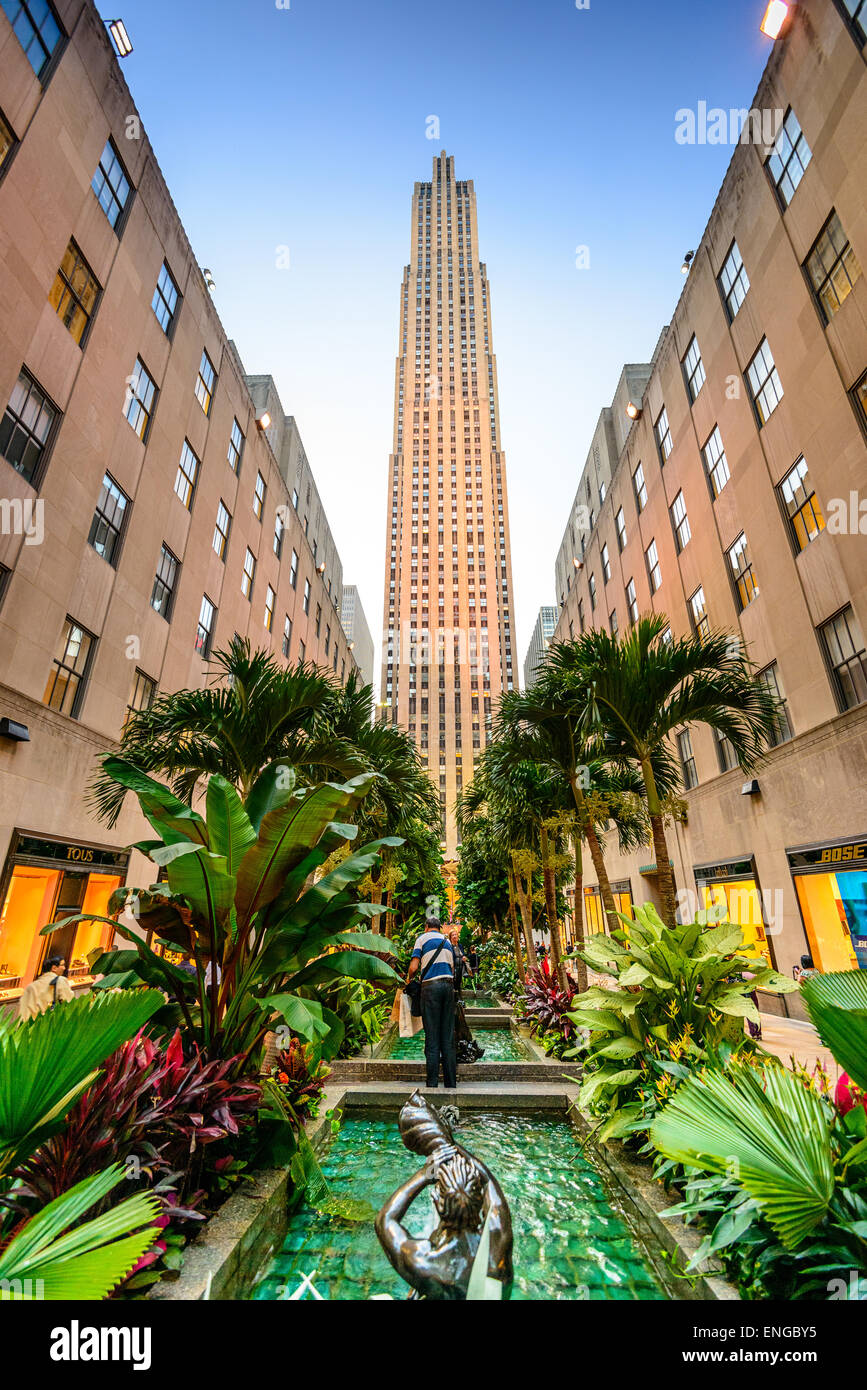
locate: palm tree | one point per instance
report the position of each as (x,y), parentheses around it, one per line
(507,819)
(638,690)
(255,712)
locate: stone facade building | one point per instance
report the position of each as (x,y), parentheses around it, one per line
(149,509)
(357,632)
(736,500)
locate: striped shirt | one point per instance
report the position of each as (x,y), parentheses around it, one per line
(426,948)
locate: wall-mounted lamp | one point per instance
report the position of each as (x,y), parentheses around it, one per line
(633,411)
(751,788)
(775,18)
(264,421)
(16,733)
(209,281)
(687,262)
(119,37)
(320,569)
(579,564)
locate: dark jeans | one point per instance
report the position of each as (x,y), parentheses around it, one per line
(438,1017)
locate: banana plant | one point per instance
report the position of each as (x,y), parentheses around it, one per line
(679,994)
(240,902)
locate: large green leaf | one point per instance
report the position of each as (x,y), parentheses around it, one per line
(274,787)
(348,872)
(356,965)
(67,1259)
(229,829)
(173,818)
(286,836)
(46,1062)
(767,1130)
(837,1005)
(203,879)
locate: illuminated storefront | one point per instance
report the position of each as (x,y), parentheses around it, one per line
(831,884)
(734,886)
(45,881)
(594,911)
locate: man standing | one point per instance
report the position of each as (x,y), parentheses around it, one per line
(432,955)
(51,988)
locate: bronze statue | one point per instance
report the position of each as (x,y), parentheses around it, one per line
(465,1195)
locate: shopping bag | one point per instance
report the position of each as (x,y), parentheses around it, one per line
(394,1016)
(409,1026)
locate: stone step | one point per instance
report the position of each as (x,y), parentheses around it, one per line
(357,1069)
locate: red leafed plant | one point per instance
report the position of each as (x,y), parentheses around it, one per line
(301,1079)
(545,1005)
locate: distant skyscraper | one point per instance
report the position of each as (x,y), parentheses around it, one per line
(448,584)
(357,632)
(542,634)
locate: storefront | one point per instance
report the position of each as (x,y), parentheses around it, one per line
(45,881)
(594,911)
(734,885)
(831,884)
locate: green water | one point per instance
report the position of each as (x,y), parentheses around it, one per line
(569,1244)
(479,1001)
(500,1045)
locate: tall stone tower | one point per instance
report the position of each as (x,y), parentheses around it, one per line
(448,648)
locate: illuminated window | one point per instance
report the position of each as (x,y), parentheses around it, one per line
(74,293)
(833,267)
(804,512)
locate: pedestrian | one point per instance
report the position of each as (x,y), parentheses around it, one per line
(50,988)
(806,970)
(433,959)
(462,964)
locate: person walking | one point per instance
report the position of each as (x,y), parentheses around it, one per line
(50,988)
(462,964)
(433,958)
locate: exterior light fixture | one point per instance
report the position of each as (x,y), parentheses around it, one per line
(264,420)
(209,280)
(687,262)
(775,18)
(750,788)
(321,568)
(120,38)
(579,564)
(633,411)
(16,733)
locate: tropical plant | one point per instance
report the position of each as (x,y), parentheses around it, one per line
(639,689)
(240,903)
(680,994)
(300,1077)
(545,1007)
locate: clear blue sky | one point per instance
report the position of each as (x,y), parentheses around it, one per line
(305,127)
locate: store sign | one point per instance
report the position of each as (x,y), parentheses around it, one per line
(736,868)
(828,856)
(82,856)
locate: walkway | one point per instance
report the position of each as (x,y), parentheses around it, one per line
(788,1037)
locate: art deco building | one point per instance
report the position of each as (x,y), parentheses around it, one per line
(733,496)
(543,631)
(448,610)
(154,499)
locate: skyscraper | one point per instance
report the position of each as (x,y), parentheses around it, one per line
(543,631)
(447,652)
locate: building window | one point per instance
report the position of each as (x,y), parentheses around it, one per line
(728,758)
(306,595)
(620,522)
(7,141)
(236,447)
(141,396)
(832,267)
(109,519)
(328,640)
(293,570)
(581,614)
(859,401)
(302,652)
(259,497)
(802,507)
(663,437)
(687,760)
(844,643)
(631,602)
(249,574)
(666,638)
(287,635)
(856,12)
(742,569)
(205,627)
(221,530)
(5,573)
(318,618)
(592,587)
(65,689)
(188,472)
(111,185)
(764,383)
(715,462)
(163,594)
(654,573)
(165,301)
(733,282)
(270,599)
(606,564)
(770,678)
(612,622)
(74,293)
(640,488)
(37,29)
(693,373)
(698,614)
(26,427)
(279,529)
(143,693)
(205,383)
(680,522)
(789,159)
